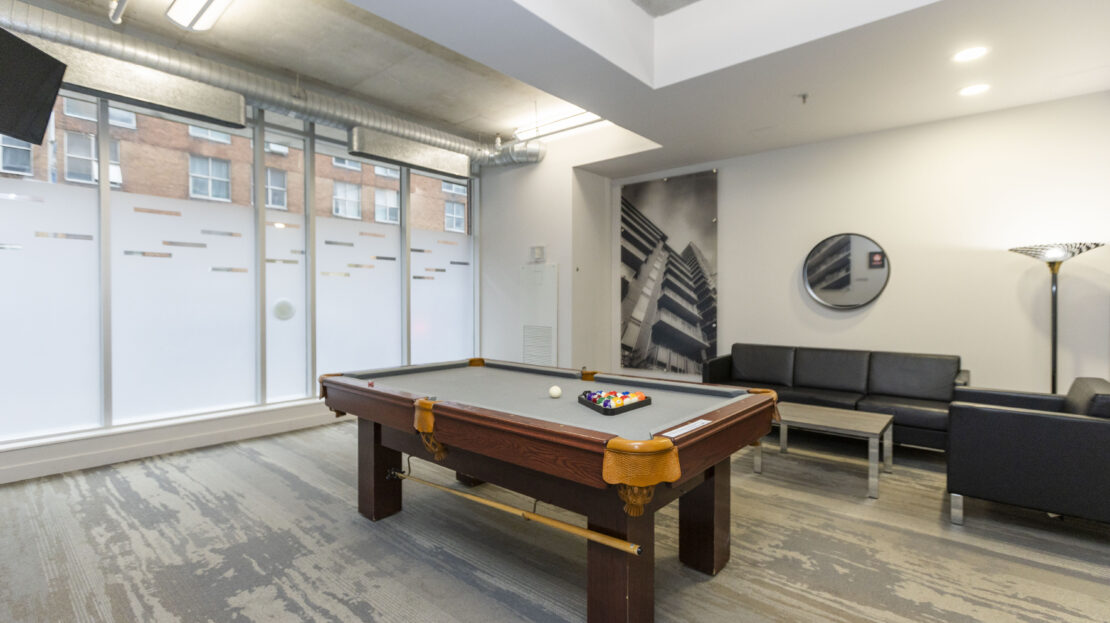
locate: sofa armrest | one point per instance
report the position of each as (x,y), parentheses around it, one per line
(717,370)
(1004,398)
(1055,462)
(963,377)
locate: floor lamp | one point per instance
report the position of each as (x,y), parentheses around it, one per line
(1055,254)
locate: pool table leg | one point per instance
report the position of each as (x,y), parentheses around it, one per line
(704,518)
(620,586)
(378,495)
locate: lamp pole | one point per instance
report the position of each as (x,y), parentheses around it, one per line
(1054,268)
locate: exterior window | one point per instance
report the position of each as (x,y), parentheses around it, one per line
(454,189)
(277,148)
(81,109)
(386,172)
(454,218)
(81,161)
(209,135)
(344,163)
(15,155)
(275,189)
(209,178)
(386,206)
(346,200)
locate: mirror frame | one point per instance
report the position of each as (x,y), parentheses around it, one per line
(813,295)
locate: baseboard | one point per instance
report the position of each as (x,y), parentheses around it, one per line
(104,447)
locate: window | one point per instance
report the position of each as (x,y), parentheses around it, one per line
(87,110)
(386,206)
(455,189)
(454,218)
(209,135)
(209,178)
(386,172)
(277,148)
(346,200)
(81,160)
(15,155)
(344,163)
(275,189)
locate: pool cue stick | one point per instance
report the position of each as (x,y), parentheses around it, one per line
(591,535)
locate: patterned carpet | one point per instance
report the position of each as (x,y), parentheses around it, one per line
(267,530)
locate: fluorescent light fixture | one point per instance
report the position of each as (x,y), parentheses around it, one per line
(196,14)
(975,89)
(558,125)
(970,54)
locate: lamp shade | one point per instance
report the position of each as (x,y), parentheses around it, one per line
(1056,252)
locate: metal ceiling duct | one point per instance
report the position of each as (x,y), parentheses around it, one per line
(281,96)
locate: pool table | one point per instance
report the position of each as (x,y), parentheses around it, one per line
(492,421)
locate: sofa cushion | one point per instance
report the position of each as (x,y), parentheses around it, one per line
(1089,396)
(823,397)
(827,368)
(932,414)
(928,377)
(758,363)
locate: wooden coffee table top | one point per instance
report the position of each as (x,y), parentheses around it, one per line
(833,420)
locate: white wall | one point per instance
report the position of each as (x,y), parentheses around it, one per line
(945,200)
(545,204)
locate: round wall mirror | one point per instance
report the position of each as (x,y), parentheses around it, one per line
(846,271)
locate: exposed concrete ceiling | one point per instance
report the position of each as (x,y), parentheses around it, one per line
(890,73)
(334,44)
(655,8)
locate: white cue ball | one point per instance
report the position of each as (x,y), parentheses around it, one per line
(554,391)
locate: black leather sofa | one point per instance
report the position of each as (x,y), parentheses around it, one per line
(1042,451)
(915,389)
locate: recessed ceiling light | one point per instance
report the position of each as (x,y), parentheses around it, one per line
(970,54)
(975,89)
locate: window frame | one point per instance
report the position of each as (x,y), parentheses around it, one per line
(209,178)
(208,134)
(94,160)
(386,207)
(30,172)
(335,198)
(448,216)
(450,188)
(346,163)
(119,123)
(284,189)
(387,172)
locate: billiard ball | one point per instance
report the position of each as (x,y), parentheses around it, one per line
(554,391)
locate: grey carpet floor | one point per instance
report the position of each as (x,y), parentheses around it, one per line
(267,530)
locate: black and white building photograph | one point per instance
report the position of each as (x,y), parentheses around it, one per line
(668,239)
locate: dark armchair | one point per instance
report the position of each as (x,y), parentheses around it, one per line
(1041,451)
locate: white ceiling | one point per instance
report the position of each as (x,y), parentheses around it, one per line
(332,43)
(655,8)
(890,73)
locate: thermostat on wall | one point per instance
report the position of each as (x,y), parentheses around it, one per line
(538,255)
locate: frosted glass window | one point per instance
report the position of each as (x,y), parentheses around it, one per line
(441,260)
(346,200)
(50,319)
(346,163)
(387,207)
(454,218)
(209,135)
(209,178)
(381,171)
(15,155)
(122,118)
(286,299)
(277,148)
(81,160)
(275,189)
(184,315)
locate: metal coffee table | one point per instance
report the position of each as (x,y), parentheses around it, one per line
(843,422)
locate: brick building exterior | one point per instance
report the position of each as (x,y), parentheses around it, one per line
(164,158)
